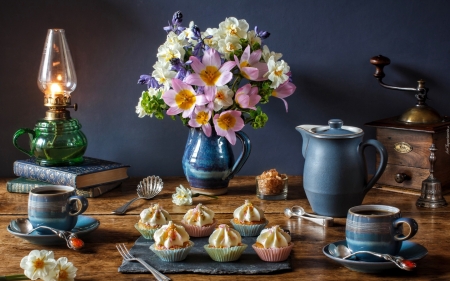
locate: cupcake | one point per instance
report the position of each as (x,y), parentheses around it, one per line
(225,244)
(199,222)
(171,243)
(151,219)
(248,220)
(273,244)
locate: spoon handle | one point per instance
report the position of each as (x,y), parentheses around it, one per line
(397,260)
(123,209)
(321,221)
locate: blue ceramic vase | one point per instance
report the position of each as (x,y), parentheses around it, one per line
(208,162)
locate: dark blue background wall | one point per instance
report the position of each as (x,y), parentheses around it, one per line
(327,44)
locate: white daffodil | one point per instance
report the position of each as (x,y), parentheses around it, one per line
(266,54)
(252,38)
(229,44)
(169,51)
(224,98)
(38,264)
(277,72)
(64,271)
(182,196)
(140,110)
(163,74)
(212,42)
(187,34)
(234,28)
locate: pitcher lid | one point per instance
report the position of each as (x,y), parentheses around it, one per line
(336,129)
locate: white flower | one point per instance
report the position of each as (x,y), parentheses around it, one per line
(64,271)
(224,98)
(252,38)
(163,74)
(266,54)
(38,264)
(212,42)
(234,27)
(187,34)
(229,44)
(140,110)
(182,196)
(277,72)
(170,50)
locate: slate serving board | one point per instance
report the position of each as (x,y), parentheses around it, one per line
(198,261)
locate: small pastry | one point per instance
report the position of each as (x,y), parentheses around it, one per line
(171,243)
(151,219)
(248,219)
(225,244)
(199,221)
(273,244)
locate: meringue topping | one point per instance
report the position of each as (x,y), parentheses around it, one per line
(171,236)
(273,237)
(199,216)
(248,213)
(224,237)
(154,216)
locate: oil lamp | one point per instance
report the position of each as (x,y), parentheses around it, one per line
(56,139)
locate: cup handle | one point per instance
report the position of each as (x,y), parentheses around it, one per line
(246,149)
(413,226)
(20,132)
(83,202)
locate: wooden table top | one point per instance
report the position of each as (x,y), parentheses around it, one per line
(99,260)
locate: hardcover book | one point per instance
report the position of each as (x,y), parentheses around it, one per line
(24,185)
(90,173)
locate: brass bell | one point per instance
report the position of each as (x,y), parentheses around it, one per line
(431,193)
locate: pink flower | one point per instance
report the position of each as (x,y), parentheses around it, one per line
(250,66)
(247,97)
(227,123)
(285,90)
(210,73)
(182,98)
(201,118)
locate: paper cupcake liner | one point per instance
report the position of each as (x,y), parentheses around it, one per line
(172,255)
(146,233)
(199,231)
(225,254)
(274,254)
(249,230)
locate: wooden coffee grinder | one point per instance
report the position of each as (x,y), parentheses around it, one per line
(408,138)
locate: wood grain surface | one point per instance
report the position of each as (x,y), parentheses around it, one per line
(99,260)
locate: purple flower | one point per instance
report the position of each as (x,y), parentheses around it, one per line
(261,34)
(177,18)
(149,80)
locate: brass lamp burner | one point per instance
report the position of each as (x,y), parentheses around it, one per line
(421,113)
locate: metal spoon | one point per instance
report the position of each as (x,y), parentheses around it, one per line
(297,211)
(24,226)
(148,188)
(343,252)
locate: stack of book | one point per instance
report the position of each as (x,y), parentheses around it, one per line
(91,178)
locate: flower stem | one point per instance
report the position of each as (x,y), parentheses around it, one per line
(198,194)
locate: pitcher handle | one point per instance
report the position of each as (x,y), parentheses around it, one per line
(246,149)
(20,132)
(383,159)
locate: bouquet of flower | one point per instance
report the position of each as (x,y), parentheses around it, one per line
(215,79)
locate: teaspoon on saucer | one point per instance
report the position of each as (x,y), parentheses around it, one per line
(341,251)
(24,226)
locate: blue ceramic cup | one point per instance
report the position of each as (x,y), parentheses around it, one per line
(55,206)
(377,228)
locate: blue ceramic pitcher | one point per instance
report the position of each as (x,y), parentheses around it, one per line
(208,162)
(335,176)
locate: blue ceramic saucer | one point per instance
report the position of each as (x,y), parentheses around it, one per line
(85,225)
(410,251)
